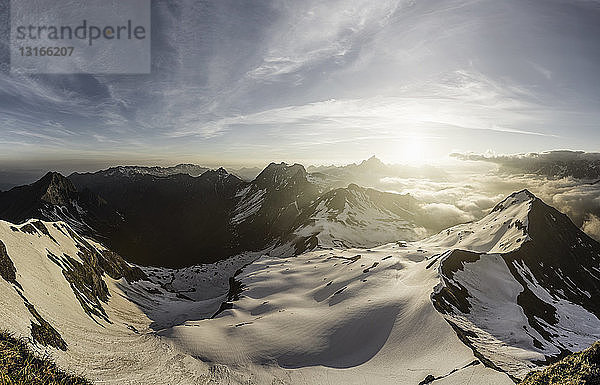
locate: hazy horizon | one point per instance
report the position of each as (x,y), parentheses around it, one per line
(69,165)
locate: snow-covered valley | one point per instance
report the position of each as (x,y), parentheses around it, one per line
(445,310)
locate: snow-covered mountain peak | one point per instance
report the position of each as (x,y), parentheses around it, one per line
(360,217)
(267,207)
(132,171)
(520,284)
(503,230)
(517,198)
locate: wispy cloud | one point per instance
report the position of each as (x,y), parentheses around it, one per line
(312,32)
(464,101)
(332,77)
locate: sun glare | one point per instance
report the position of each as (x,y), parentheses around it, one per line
(409,151)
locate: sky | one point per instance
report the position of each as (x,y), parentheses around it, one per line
(249,82)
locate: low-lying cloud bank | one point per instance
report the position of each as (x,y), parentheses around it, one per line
(553,164)
(567,180)
(592,226)
(467,191)
(451,202)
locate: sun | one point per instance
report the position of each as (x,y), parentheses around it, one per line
(414,151)
(408,150)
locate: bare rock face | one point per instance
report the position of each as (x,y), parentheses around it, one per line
(55,198)
(7,268)
(58,189)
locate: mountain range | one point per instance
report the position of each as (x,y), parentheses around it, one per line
(282,280)
(169,217)
(369,172)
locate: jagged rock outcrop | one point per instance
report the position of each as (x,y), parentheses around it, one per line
(55,198)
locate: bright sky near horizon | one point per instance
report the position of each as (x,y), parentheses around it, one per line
(248,82)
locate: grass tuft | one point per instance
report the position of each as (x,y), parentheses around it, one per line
(19,366)
(582,368)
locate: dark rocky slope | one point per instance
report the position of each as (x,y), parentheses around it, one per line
(55,198)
